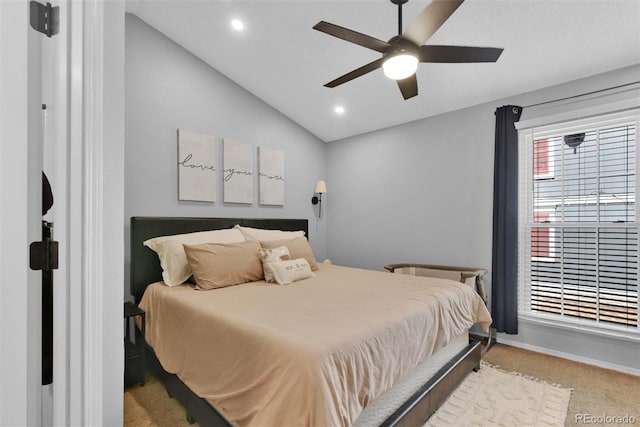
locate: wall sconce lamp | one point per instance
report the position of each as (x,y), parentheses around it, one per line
(321,188)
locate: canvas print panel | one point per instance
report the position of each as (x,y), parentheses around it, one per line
(238,172)
(271,182)
(196,166)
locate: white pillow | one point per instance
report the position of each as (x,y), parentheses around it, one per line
(250,233)
(173,260)
(287,272)
(298,248)
(268,256)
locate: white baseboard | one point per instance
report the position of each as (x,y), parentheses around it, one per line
(569,356)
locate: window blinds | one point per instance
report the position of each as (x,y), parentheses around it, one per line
(578,235)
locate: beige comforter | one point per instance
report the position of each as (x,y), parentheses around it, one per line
(312,353)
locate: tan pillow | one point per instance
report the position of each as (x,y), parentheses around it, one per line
(259,234)
(268,256)
(287,272)
(175,268)
(298,248)
(217,265)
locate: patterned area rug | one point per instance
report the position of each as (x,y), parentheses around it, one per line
(493,397)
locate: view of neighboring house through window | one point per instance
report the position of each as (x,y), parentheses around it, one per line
(578,231)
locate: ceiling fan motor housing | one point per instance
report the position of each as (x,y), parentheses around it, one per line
(400,45)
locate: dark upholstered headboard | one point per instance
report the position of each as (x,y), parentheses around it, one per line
(145,266)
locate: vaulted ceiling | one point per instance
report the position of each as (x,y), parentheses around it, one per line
(279,57)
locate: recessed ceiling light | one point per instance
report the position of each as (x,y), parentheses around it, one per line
(338,109)
(237,24)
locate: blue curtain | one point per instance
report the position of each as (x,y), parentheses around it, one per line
(504,265)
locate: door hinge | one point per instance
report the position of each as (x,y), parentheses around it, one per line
(45,19)
(43,255)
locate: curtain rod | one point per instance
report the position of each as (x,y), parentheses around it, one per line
(582,94)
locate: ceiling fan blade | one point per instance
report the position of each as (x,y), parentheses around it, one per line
(458,54)
(408,87)
(356,73)
(430,19)
(352,36)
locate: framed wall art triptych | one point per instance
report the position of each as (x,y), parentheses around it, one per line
(198,170)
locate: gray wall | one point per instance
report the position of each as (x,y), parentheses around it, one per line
(168,88)
(423,191)
(414,193)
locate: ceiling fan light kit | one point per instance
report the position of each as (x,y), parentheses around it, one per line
(402,53)
(400,66)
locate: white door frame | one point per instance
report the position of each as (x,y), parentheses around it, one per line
(95,203)
(87,325)
(66,118)
(85,386)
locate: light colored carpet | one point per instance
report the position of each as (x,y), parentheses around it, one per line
(493,397)
(596,391)
(151,406)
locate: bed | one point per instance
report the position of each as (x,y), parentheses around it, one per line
(258,353)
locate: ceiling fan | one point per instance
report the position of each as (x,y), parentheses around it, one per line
(402,53)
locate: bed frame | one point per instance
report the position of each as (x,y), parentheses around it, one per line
(145,269)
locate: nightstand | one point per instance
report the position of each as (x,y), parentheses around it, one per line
(134,368)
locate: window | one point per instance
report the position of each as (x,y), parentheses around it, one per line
(578,238)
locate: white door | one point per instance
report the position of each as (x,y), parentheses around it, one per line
(20,215)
